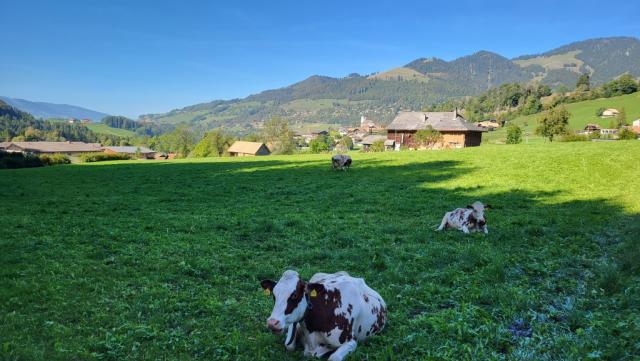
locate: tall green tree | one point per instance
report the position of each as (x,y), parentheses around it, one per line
(213,144)
(278,136)
(553,122)
(583,83)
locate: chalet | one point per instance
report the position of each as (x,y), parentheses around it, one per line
(4,145)
(68,148)
(144,152)
(369,125)
(608,113)
(368,141)
(244,149)
(589,129)
(456,131)
(491,124)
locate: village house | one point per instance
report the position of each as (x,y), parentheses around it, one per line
(589,129)
(368,141)
(456,131)
(244,149)
(608,113)
(68,148)
(369,125)
(491,124)
(132,151)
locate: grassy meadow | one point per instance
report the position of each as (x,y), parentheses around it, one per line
(149,260)
(582,113)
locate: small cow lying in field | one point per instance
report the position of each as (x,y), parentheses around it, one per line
(341,161)
(327,315)
(466,219)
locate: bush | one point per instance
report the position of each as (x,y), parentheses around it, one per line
(53,159)
(18,160)
(514,134)
(599,111)
(101,157)
(626,134)
(377,146)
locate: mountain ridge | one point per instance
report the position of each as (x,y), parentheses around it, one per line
(320,99)
(47,110)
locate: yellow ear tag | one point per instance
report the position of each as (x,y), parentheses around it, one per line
(313,293)
(267,292)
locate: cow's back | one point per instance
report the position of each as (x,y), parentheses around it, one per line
(362,307)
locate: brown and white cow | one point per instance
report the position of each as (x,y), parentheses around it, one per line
(328,315)
(341,161)
(470,219)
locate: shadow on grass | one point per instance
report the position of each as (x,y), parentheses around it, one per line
(154,254)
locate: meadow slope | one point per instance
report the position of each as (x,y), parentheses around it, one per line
(582,113)
(162,260)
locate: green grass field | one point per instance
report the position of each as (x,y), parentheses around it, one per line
(582,113)
(105,129)
(162,260)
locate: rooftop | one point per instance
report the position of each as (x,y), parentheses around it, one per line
(440,121)
(58,147)
(245,147)
(129,149)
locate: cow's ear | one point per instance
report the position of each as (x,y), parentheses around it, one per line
(267,286)
(469,206)
(488,206)
(313,289)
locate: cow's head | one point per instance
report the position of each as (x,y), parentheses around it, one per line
(478,212)
(290,303)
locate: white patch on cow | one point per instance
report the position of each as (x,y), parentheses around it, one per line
(470,219)
(281,292)
(365,306)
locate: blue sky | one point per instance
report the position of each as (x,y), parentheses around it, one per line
(135,57)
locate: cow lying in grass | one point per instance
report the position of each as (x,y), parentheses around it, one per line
(327,315)
(470,219)
(341,161)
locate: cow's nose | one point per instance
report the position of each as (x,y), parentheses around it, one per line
(274,325)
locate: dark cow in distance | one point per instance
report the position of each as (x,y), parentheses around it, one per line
(327,315)
(341,161)
(470,219)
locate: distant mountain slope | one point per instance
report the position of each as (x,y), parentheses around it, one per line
(422,82)
(50,110)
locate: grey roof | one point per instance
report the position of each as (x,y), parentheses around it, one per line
(57,147)
(440,121)
(4,144)
(129,149)
(370,139)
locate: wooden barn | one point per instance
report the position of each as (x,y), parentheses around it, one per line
(456,131)
(244,149)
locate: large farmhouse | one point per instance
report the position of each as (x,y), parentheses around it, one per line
(456,131)
(69,148)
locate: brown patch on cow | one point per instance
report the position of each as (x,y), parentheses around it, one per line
(366,298)
(472,220)
(349,308)
(294,299)
(381,316)
(321,313)
(359,328)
